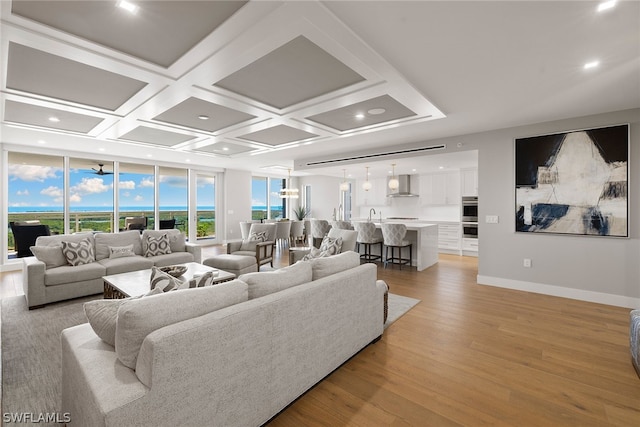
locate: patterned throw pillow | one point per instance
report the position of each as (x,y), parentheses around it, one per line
(121,251)
(331,245)
(200,281)
(162,280)
(158,246)
(256,237)
(78,253)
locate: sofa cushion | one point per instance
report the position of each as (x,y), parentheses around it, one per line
(70,274)
(268,282)
(177,241)
(78,253)
(162,280)
(126,264)
(326,266)
(137,318)
(52,256)
(103,313)
(157,245)
(104,241)
(56,239)
(171,259)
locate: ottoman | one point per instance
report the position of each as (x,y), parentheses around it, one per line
(634,339)
(236,264)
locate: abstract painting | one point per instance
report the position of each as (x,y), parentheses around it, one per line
(573,182)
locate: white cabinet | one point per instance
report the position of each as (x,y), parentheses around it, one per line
(449,237)
(440,189)
(469,179)
(377,196)
(470,246)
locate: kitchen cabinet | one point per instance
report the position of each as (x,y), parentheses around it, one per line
(470,246)
(469,178)
(440,189)
(449,237)
(377,196)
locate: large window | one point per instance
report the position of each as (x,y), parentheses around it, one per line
(259,191)
(173,196)
(206,205)
(136,188)
(277,205)
(36,192)
(90,195)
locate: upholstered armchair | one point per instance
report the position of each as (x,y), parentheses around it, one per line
(349,238)
(25,235)
(260,243)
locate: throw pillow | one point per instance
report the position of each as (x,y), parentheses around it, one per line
(331,245)
(52,256)
(200,281)
(267,282)
(256,237)
(137,318)
(103,313)
(157,245)
(162,280)
(78,253)
(120,251)
(313,253)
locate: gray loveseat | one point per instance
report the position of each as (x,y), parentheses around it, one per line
(47,277)
(234,366)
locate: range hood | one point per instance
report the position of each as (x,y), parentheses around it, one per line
(404,189)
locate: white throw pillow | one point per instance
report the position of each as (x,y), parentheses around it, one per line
(120,251)
(137,318)
(103,313)
(267,282)
(52,256)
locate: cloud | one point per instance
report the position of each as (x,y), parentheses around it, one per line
(126,194)
(22,193)
(127,185)
(75,198)
(138,198)
(32,172)
(89,186)
(206,181)
(52,191)
(174,181)
(147,182)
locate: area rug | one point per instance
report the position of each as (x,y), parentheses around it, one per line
(31,354)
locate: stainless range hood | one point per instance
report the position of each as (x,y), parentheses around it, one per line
(404,189)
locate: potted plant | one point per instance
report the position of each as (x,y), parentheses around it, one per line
(301,212)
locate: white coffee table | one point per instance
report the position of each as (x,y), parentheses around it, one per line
(136,283)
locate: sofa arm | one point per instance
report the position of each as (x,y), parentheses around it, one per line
(233,245)
(33,281)
(195,250)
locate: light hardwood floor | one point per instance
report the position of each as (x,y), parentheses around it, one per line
(472,355)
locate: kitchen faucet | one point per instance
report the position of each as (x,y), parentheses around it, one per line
(374,212)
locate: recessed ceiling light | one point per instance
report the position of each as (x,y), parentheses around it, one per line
(377,111)
(441,167)
(413,170)
(54,119)
(149,155)
(187,160)
(592,64)
(225,148)
(42,141)
(101,149)
(203,117)
(606,5)
(128,6)
(360,116)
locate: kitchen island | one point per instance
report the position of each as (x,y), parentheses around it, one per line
(423,237)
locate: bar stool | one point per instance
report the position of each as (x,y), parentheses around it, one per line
(393,235)
(319,229)
(367,237)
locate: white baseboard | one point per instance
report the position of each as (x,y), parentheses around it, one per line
(559,291)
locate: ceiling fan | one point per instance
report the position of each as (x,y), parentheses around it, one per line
(100,171)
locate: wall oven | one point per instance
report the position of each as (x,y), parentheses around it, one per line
(469,209)
(470,231)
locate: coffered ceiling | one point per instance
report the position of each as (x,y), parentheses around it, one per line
(248,84)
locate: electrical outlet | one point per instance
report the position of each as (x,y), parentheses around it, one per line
(491,219)
(527,262)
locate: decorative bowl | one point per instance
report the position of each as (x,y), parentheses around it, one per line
(174,270)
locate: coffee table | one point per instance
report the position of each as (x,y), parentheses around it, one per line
(136,283)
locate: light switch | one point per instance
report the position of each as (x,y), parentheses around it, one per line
(491,219)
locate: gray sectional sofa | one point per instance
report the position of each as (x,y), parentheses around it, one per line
(180,358)
(47,277)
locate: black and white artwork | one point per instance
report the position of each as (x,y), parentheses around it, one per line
(573,182)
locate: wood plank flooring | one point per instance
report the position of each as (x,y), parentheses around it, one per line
(472,355)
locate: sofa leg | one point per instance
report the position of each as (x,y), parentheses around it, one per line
(378,338)
(35,307)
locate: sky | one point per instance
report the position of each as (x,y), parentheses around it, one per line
(42,186)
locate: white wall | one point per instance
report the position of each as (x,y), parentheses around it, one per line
(237,204)
(325,194)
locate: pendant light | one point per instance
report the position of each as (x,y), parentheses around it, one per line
(366,186)
(288,193)
(393,182)
(344,186)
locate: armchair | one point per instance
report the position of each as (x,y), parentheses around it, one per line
(262,250)
(25,235)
